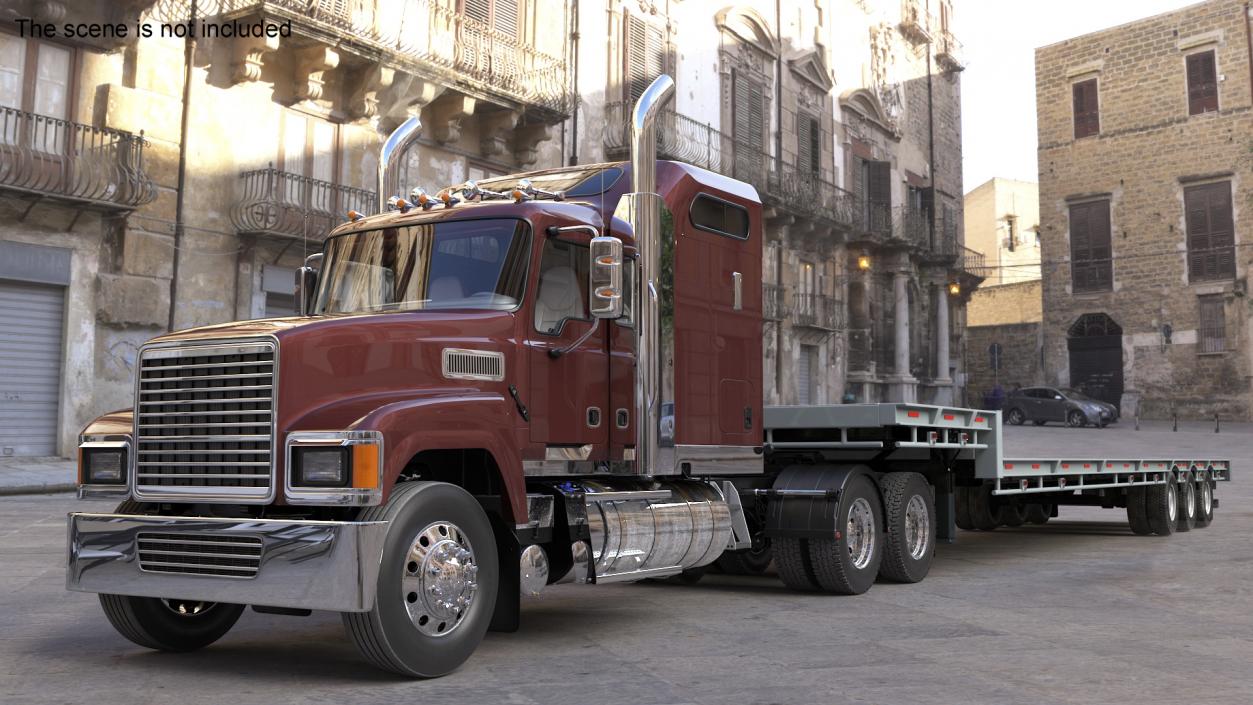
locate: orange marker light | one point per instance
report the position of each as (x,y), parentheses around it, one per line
(365,466)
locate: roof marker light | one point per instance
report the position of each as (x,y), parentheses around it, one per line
(419,197)
(398,203)
(354,216)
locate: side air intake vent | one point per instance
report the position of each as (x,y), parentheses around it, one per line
(474,364)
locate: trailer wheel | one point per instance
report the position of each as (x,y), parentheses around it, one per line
(1161,505)
(983,514)
(910,519)
(849,563)
(1187,506)
(1039,513)
(1016,416)
(961,508)
(437,582)
(1204,503)
(750,561)
(791,559)
(1137,512)
(1013,515)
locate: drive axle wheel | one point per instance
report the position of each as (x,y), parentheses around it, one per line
(849,563)
(1161,505)
(1204,503)
(910,520)
(1187,506)
(437,581)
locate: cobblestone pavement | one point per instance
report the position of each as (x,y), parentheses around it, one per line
(1078,611)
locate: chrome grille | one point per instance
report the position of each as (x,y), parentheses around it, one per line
(224,555)
(204,422)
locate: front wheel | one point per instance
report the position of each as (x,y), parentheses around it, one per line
(437,582)
(169,624)
(1016,417)
(1076,419)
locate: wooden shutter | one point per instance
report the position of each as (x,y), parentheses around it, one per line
(879,183)
(1211,237)
(500,15)
(1212,330)
(748,128)
(808,146)
(1202,83)
(645,56)
(1087,109)
(1091,268)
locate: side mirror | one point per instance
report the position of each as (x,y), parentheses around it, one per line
(307,283)
(605,273)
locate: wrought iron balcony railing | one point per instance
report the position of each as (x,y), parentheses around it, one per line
(280,204)
(818,311)
(781,181)
(948,51)
(93,166)
(773,302)
(974,262)
(422,32)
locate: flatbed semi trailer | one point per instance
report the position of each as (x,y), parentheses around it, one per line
(503,385)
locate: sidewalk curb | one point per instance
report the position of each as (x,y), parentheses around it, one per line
(55,488)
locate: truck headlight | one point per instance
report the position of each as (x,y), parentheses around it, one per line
(335,468)
(102,467)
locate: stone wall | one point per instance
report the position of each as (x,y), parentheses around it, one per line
(1005,304)
(1147,152)
(1021,346)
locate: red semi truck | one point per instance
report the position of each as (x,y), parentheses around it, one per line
(549,376)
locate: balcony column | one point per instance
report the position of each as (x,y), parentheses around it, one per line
(902,384)
(943,383)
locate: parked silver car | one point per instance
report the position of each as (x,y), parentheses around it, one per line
(1040,405)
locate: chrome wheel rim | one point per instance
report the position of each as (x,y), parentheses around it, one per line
(860,533)
(187,608)
(1207,498)
(917,522)
(1076,419)
(440,579)
(1189,499)
(1016,417)
(1172,501)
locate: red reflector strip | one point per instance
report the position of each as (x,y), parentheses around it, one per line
(1065,466)
(949,417)
(978,419)
(1126,465)
(1109,465)
(1009,466)
(1035,466)
(1086,466)
(913,414)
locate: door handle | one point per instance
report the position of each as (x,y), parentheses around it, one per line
(737,280)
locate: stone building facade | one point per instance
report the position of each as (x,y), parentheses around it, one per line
(844,116)
(1002,218)
(1146,182)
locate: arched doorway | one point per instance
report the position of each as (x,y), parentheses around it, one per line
(1095,343)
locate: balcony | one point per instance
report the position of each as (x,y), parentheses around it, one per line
(773,302)
(426,38)
(973,262)
(948,52)
(94,167)
(779,182)
(279,204)
(914,21)
(818,311)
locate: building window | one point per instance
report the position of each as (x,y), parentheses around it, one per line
(874,187)
(1087,108)
(1212,332)
(808,146)
(1011,225)
(35,77)
(645,53)
(500,15)
(748,122)
(1211,237)
(1202,83)
(1091,265)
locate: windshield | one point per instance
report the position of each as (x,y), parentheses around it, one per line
(475,264)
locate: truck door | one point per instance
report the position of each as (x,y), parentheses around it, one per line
(570,393)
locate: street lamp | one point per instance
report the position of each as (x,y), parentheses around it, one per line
(954,288)
(863,261)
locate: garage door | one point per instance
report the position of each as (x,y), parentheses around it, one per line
(802,377)
(30,366)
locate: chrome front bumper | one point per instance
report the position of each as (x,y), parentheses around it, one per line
(324,565)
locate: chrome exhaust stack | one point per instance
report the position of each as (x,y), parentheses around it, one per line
(395,145)
(644,213)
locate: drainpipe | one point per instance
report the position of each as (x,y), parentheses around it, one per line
(931,150)
(1248,39)
(189,58)
(574,93)
(646,222)
(396,144)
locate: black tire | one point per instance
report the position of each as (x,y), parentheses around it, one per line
(1161,505)
(1187,506)
(1137,513)
(791,560)
(1016,416)
(167,625)
(904,562)
(831,560)
(1039,513)
(1204,504)
(386,635)
(961,508)
(1039,423)
(750,561)
(1076,419)
(984,514)
(1013,515)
